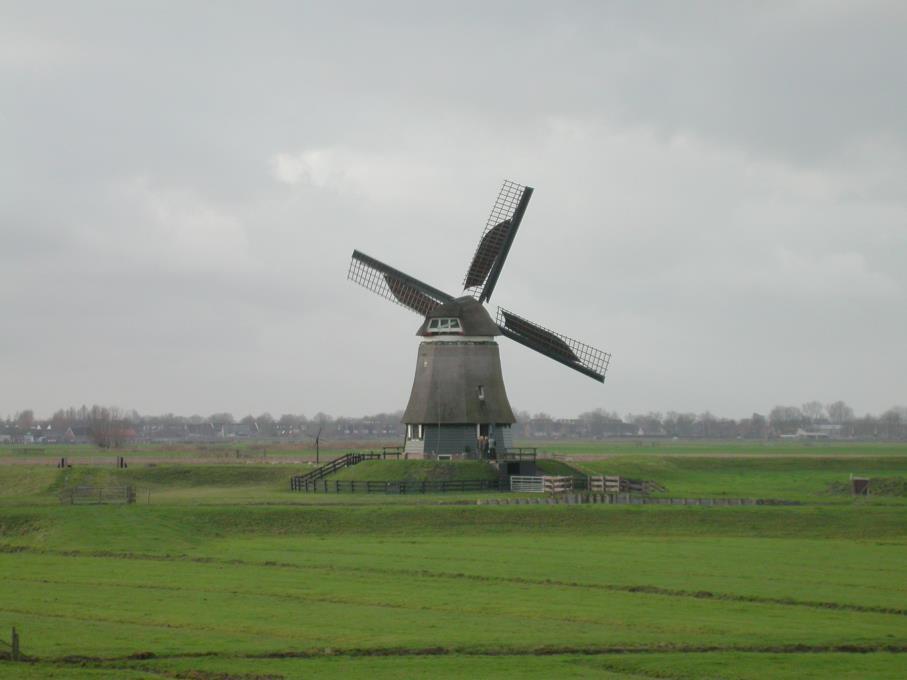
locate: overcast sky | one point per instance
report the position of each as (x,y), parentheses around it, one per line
(720,199)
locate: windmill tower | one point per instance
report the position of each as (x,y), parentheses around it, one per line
(458,407)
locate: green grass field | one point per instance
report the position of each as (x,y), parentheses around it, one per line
(227,574)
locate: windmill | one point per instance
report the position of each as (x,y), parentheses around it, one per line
(458,407)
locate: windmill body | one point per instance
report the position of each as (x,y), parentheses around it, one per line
(458,407)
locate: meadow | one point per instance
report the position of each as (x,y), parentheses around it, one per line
(220,572)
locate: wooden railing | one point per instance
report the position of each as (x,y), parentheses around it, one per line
(615,484)
(401,487)
(301,482)
(519,453)
(568,484)
(546,484)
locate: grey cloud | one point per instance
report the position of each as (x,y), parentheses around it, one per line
(719,199)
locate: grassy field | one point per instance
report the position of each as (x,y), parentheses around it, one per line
(668,447)
(227,574)
(246,451)
(803,478)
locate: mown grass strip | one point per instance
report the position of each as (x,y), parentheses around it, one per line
(483,578)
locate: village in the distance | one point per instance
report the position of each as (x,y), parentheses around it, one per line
(112,428)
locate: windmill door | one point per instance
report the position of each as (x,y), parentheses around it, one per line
(482,433)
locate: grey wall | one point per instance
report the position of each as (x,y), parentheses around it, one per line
(453,438)
(505,437)
(446,381)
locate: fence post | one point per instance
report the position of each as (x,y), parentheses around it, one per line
(14,654)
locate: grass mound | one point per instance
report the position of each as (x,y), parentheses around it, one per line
(17,481)
(878,486)
(548,466)
(171,476)
(417,471)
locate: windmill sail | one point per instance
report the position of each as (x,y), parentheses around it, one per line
(577,355)
(500,230)
(394,285)
(489,247)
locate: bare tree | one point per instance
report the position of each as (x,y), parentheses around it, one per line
(813,410)
(891,420)
(59,420)
(25,419)
(785,419)
(839,412)
(107,427)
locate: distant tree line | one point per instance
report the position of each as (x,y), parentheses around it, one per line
(111,427)
(812,420)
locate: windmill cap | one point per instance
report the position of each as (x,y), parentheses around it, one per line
(474,319)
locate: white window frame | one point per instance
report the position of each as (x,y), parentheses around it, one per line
(442,325)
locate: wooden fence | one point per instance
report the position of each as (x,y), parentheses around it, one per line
(628,499)
(567,484)
(308,481)
(615,484)
(93,495)
(399,487)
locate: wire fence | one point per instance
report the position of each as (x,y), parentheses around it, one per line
(96,495)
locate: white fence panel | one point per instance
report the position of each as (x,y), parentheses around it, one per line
(527,484)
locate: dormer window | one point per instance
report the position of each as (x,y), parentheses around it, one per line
(439,326)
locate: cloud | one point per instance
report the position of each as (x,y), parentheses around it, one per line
(401,171)
(716,189)
(830,275)
(317,167)
(32,52)
(170,228)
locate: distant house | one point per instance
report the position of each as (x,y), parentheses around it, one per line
(235,430)
(50,436)
(203,431)
(806,435)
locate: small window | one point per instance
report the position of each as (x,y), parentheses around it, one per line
(444,456)
(481,392)
(448,325)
